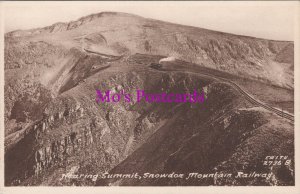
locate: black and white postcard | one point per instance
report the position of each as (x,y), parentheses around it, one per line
(149,96)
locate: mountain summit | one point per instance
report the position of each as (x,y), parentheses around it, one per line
(115,33)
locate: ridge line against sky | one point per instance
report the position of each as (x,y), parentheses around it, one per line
(268,20)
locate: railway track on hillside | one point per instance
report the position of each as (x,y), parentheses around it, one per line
(256,102)
(240,90)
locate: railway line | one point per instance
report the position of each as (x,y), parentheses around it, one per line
(238,88)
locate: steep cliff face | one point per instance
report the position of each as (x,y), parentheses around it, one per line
(76,131)
(218,137)
(54,125)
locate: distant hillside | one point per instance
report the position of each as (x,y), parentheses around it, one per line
(124,34)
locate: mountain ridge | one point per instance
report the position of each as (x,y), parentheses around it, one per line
(113,33)
(92,16)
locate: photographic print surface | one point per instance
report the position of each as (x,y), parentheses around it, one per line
(121,98)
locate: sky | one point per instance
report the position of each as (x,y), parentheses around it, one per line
(270,20)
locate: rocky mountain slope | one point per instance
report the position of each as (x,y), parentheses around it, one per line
(120,34)
(53,124)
